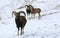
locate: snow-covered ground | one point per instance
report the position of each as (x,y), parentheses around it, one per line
(48,26)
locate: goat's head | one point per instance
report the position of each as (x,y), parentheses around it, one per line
(15,13)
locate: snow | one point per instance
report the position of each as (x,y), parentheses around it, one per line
(48,26)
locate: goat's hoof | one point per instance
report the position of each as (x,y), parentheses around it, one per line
(17,34)
(38,18)
(21,34)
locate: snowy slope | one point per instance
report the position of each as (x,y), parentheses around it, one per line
(46,27)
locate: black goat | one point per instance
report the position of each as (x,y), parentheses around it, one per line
(20,20)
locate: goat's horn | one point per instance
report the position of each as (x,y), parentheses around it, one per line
(13,13)
(22,12)
(26,5)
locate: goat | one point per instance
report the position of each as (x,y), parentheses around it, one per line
(20,21)
(31,10)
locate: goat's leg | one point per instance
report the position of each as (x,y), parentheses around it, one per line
(21,31)
(28,15)
(39,16)
(18,31)
(34,15)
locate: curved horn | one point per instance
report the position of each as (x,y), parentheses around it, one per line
(13,13)
(22,12)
